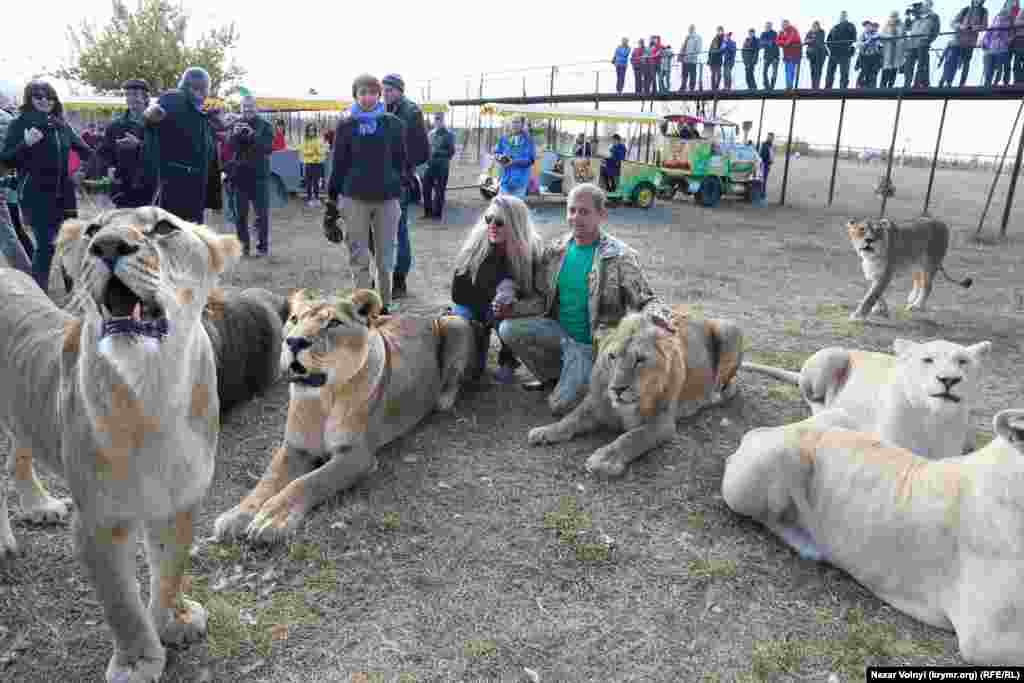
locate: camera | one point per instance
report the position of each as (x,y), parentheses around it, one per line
(915,10)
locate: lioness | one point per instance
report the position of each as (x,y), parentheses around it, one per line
(358,382)
(941,541)
(119,395)
(649,373)
(887,248)
(919,399)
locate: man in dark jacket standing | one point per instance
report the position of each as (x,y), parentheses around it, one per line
(417,148)
(250,144)
(840,42)
(435,180)
(749,54)
(122,148)
(182,146)
(769,44)
(967,23)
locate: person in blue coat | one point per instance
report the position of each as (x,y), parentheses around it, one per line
(38,144)
(515,153)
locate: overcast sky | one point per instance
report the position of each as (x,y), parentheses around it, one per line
(291,47)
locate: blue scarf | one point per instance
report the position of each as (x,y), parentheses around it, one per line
(367,120)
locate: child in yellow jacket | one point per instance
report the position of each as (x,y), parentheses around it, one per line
(314,152)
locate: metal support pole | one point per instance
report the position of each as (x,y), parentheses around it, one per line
(1013,184)
(835,154)
(999,171)
(524,86)
(935,159)
(428,91)
(480,123)
(789,144)
(892,150)
(760,122)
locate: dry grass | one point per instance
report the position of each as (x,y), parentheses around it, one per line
(470,555)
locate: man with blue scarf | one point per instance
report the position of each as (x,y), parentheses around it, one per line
(369,160)
(516,155)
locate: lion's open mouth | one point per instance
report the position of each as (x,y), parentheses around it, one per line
(946,396)
(302,376)
(867,247)
(124,312)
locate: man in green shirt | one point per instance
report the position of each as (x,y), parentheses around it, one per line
(587,282)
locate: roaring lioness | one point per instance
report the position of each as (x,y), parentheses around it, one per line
(919,399)
(887,248)
(649,373)
(941,541)
(119,394)
(358,382)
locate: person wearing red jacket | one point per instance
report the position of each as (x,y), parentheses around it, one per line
(637,60)
(653,56)
(792,52)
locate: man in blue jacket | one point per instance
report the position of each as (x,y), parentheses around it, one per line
(251,142)
(122,148)
(515,153)
(770,48)
(621,61)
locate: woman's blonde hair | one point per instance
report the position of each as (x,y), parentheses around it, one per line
(522,245)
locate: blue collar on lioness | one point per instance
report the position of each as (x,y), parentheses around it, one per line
(155,329)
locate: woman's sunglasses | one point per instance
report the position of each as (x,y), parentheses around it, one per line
(43,96)
(495,221)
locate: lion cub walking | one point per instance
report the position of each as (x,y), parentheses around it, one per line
(649,374)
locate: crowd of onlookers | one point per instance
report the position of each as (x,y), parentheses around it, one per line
(901,46)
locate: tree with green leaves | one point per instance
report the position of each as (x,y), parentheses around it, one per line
(149,43)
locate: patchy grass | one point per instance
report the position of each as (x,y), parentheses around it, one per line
(793,328)
(712,568)
(787,360)
(784,392)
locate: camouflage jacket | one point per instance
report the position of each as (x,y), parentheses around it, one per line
(616,285)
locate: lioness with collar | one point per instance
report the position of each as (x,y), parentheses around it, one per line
(941,541)
(918,399)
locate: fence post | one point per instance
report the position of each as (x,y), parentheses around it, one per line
(892,150)
(480,123)
(1013,186)
(789,143)
(935,158)
(760,122)
(835,154)
(428,91)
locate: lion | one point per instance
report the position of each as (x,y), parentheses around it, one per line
(940,541)
(887,248)
(359,380)
(919,399)
(650,373)
(118,394)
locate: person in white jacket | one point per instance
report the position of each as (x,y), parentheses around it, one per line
(690,55)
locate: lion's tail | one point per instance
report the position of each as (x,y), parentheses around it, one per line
(965,283)
(787,376)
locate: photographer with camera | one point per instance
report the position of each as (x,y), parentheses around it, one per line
(250,142)
(922,26)
(840,41)
(122,146)
(516,154)
(14,243)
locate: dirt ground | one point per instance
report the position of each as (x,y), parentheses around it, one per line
(470,556)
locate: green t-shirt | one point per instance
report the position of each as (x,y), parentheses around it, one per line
(573,291)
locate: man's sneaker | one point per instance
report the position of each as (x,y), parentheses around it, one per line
(398,288)
(505,375)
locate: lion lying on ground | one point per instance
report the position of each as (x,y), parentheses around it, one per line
(919,399)
(649,374)
(887,248)
(941,541)
(358,383)
(119,395)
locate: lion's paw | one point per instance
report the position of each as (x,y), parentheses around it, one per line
(539,436)
(183,625)
(856,316)
(145,669)
(605,462)
(232,524)
(48,510)
(274,523)
(446,401)
(8,547)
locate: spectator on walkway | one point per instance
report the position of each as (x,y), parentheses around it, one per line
(435,180)
(665,68)
(587,281)
(922,32)
(515,153)
(816,52)
(369,160)
(653,59)
(715,57)
(768,41)
(251,143)
(751,46)
(870,55)
(612,165)
(728,60)
(792,52)
(767,154)
(893,49)
(17,252)
(314,153)
(183,146)
(501,252)
(279,142)
(996,45)
(690,53)
(1017,49)
(582,147)
(621,60)
(38,145)
(967,23)
(637,60)
(840,41)
(417,151)
(122,147)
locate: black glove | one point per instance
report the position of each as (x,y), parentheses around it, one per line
(332,231)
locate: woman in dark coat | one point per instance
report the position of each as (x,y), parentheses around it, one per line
(38,144)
